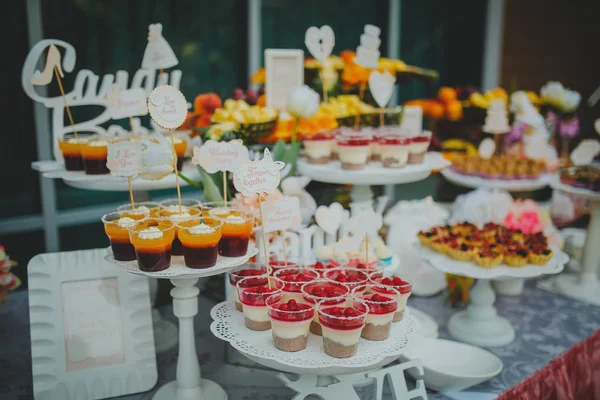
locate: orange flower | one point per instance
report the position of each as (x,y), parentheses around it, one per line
(454,110)
(262,100)
(259,77)
(348,56)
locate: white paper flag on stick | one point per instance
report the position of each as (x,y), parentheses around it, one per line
(167,107)
(257,177)
(158,54)
(124,159)
(282,214)
(216,156)
(127,103)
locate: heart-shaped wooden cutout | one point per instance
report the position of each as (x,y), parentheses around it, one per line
(320,42)
(487,147)
(330,218)
(381,86)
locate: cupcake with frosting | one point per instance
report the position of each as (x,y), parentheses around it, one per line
(325,254)
(368,259)
(384,255)
(340,258)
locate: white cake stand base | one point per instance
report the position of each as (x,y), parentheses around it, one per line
(480,324)
(208,390)
(569,285)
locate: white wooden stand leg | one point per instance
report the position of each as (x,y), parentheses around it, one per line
(189,385)
(480,324)
(586,287)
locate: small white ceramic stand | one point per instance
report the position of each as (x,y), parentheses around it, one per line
(480,323)
(514,185)
(373,174)
(586,286)
(189,384)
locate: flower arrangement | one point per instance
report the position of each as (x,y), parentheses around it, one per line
(8,280)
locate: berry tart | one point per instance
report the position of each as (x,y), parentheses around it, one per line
(290,322)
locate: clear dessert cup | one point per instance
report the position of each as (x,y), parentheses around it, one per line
(116,226)
(290,322)
(143,207)
(319,147)
(349,277)
(342,326)
(152,240)
(321,267)
(170,209)
(382,308)
(94,155)
(246,271)
(290,280)
(418,147)
(394,151)
(323,290)
(254,303)
(200,238)
(405,288)
(70,147)
(354,151)
(237,227)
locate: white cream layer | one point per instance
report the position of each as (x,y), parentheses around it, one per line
(345,337)
(402,301)
(318,148)
(291,329)
(419,147)
(354,154)
(255,313)
(380,319)
(400,153)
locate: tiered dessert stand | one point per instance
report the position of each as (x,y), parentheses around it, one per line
(586,286)
(189,384)
(480,324)
(513,185)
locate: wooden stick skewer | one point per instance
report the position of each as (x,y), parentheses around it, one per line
(264,240)
(282,234)
(62,92)
(176,171)
(130,193)
(361,95)
(225,188)
(132,126)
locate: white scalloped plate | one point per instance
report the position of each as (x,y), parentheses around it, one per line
(585,193)
(178,269)
(514,185)
(228,325)
(451,266)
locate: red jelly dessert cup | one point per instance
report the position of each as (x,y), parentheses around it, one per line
(342,326)
(291,280)
(350,277)
(354,151)
(170,209)
(319,147)
(152,239)
(290,322)
(248,270)
(402,286)
(382,308)
(254,304)
(116,226)
(70,147)
(322,290)
(418,147)
(237,227)
(321,267)
(94,155)
(200,240)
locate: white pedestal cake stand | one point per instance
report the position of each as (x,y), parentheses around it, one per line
(480,324)
(189,384)
(586,286)
(514,185)
(373,174)
(317,369)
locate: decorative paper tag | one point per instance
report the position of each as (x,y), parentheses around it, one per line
(329,218)
(167,107)
(53,60)
(585,152)
(216,156)
(258,177)
(124,159)
(487,147)
(381,86)
(282,214)
(127,103)
(320,42)
(412,119)
(158,53)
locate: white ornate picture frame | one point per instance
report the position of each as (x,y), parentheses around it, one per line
(91,328)
(284,71)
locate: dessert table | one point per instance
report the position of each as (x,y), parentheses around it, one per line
(547,325)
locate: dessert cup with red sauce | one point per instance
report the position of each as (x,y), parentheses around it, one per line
(200,240)
(323,290)
(152,240)
(290,322)
(254,304)
(402,286)
(248,270)
(290,280)
(342,325)
(116,226)
(349,277)
(382,308)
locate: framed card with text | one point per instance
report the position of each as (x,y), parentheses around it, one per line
(284,71)
(91,328)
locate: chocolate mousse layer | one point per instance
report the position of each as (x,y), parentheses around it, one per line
(392,163)
(315,328)
(398,315)
(257,326)
(294,344)
(338,350)
(352,166)
(376,332)
(414,158)
(319,160)
(238,306)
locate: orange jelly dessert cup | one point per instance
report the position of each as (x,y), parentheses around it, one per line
(152,240)
(151,208)
(180,146)
(200,241)
(70,147)
(237,226)
(170,209)
(94,155)
(116,226)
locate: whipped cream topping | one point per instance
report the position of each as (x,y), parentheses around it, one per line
(77,140)
(175,208)
(235,219)
(325,253)
(125,222)
(383,252)
(179,217)
(220,211)
(98,143)
(201,229)
(151,233)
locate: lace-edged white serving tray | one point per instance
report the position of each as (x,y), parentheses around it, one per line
(512,185)
(466,268)
(229,326)
(179,270)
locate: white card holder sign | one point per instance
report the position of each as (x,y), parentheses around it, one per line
(281,214)
(91,328)
(284,72)
(412,119)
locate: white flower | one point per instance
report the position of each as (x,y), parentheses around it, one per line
(569,101)
(555,94)
(303,102)
(157,158)
(551,92)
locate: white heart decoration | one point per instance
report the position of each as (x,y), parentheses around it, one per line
(597,126)
(320,42)
(381,86)
(329,218)
(585,152)
(487,147)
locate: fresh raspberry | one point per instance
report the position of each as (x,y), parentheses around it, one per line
(387,281)
(350,312)
(398,281)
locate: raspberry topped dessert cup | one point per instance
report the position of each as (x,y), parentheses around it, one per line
(342,326)
(321,267)
(259,273)
(394,150)
(349,277)
(382,308)
(318,147)
(418,147)
(237,227)
(290,280)
(354,151)
(325,291)
(403,287)
(152,239)
(115,227)
(254,303)
(200,241)
(290,322)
